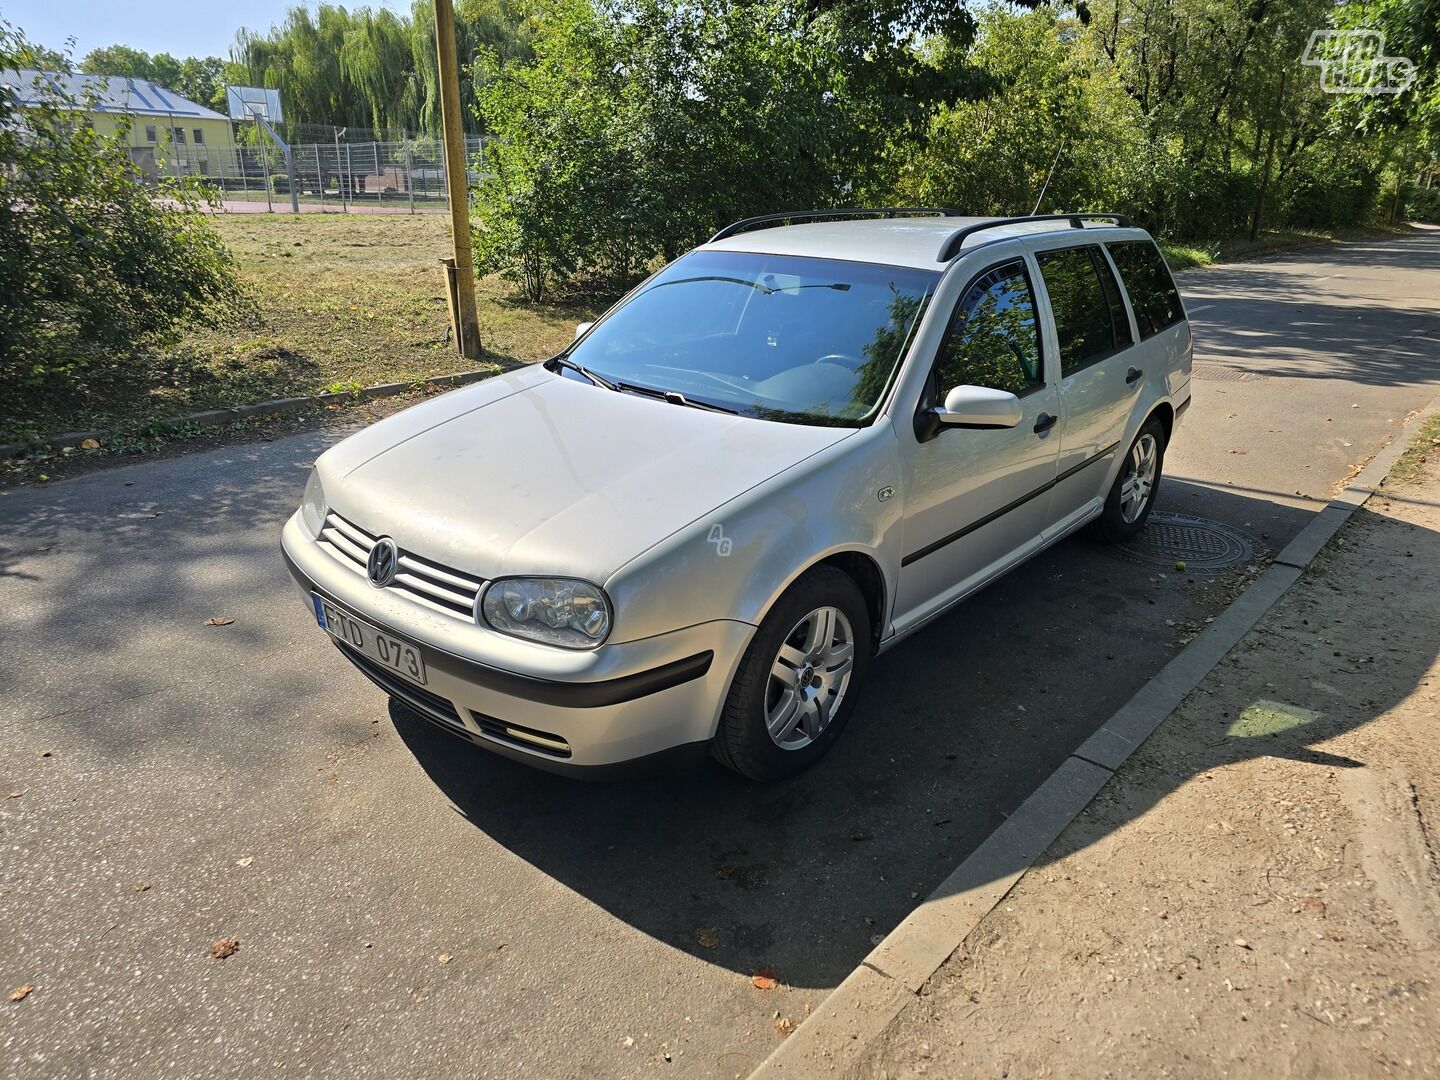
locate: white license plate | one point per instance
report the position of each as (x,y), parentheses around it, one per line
(396,656)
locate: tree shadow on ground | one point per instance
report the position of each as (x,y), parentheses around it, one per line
(1276,324)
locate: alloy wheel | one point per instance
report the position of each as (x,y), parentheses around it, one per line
(809,677)
(1139,479)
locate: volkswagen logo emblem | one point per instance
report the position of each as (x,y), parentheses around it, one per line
(384,561)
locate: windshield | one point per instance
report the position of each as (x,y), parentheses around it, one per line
(811,341)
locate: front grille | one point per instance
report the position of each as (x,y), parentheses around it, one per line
(526,738)
(437,587)
(417,697)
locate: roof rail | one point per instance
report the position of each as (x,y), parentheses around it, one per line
(745,224)
(951,247)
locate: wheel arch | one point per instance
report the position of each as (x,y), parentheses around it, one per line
(1166,414)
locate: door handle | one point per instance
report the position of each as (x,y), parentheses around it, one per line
(1133,375)
(1044,422)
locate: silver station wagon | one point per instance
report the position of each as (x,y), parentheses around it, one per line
(773,459)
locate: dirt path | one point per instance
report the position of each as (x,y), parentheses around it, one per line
(1257,891)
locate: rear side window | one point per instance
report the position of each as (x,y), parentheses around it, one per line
(1084,300)
(992,340)
(1151,288)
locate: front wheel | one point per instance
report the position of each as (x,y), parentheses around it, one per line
(795,687)
(1127,507)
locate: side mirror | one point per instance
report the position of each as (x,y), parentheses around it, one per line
(980,407)
(580,329)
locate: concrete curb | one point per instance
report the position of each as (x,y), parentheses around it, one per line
(216,417)
(861,1008)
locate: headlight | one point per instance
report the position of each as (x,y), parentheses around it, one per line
(557,611)
(312,506)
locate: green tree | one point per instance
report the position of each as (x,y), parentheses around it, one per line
(638,127)
(1054,118)
(94,267)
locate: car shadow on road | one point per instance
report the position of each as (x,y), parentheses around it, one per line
(954,729)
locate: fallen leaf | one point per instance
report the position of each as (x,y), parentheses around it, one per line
(628,1041)
(784,1026)
(15,794)
(708,937)
(1241,943)
(246,861)
(219,620)
(1314,905)
(226,946)
(444,958)
(46,753)
(20,993)
(142,886)
(857,837)
(765,979)
(90,444)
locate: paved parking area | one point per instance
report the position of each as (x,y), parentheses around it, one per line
(408,906)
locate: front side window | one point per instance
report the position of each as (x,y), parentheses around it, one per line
(179,135)
(1085,322)
(199,135)
(150,133)
(992,340)
(1152,290)
(781,337)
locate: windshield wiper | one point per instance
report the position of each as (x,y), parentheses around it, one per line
(564,362)
(768,290)
(674,397)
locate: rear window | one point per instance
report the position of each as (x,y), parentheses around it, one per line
(1151,288)
(1080,287)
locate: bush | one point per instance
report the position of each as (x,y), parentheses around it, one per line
(639,127)
(94,266)
(280,183)
(1423,204)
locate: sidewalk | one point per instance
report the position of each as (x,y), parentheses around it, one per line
(1256,892)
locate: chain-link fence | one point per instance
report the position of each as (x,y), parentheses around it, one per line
(337,176)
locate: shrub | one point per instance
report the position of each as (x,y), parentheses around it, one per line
(94,266)
(1423,204)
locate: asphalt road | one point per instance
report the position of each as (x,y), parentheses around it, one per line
(172,783)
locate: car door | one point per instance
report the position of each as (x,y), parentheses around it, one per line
(976,498)
(1098,381)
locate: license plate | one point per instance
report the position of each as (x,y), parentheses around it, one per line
(394,655)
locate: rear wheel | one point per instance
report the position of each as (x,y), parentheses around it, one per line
(1127,507)
(795,687)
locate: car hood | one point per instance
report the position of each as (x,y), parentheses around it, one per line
(532,473)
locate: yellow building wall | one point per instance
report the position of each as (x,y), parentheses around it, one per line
(178,152)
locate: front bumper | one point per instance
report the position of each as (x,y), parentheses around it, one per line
(561,710)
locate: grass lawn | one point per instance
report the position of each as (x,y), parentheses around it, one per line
(346,300)
(350,300)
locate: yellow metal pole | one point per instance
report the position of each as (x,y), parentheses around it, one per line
(456,180)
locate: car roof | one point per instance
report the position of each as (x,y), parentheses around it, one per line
(899,241)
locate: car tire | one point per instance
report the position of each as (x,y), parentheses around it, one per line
(824,677)
(1127,509)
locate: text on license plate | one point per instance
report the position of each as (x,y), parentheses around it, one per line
(396,656)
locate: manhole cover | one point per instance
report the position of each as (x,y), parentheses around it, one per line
(1218,373)
(1203,546)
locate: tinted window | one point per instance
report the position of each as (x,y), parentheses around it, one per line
(775,336)
(1084,320)
(1118,318)
(1151,288)
(992,340)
